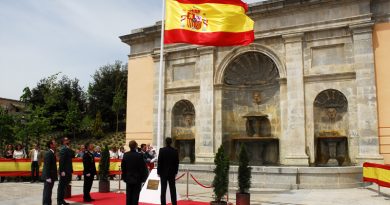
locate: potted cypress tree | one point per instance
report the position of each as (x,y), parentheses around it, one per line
(104,169)
(221,178)
(244,178)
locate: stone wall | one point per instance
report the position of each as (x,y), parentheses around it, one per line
(315,45)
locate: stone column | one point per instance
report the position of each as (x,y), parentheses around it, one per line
(205,143)
(367,119)
(295,140)
(156,59)
(218,116)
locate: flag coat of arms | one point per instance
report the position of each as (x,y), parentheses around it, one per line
(208,22)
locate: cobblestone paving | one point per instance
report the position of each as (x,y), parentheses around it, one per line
(12,193)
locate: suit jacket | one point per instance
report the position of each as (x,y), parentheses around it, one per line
(89,163)
(50,166)
(40,156)
(168,162)
(134,169)
(66,156)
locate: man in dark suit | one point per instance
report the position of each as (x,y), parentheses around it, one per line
(89,171)
(134,173)
(168,166)
(65,170)
(49,172)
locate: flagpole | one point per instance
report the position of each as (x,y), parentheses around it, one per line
(160,78)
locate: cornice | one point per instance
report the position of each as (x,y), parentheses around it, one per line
(189,89)
(330,77)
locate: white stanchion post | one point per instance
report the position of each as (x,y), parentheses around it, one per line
(188,176)
(119,184)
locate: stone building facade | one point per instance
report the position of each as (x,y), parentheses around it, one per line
(311,66)
(12,106)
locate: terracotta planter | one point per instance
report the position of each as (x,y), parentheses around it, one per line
(218,203)
(104,186)
(243,199)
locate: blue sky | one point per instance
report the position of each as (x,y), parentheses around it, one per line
(39,38)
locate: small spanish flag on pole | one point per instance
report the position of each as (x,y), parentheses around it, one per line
(208,22)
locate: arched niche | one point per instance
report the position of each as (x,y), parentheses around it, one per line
(251,107)
(331,125)
(183,130)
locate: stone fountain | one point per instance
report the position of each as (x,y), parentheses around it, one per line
(332,146)
(183,131)
(262,147)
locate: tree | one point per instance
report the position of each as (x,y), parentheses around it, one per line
(6,128)
(36,125)
(73,117)
(97,130)
(221,171)
(118,104)
(62,100)
(244,171)
(26,96)
(104,164)
(108,81)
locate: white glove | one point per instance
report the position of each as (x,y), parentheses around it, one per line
(48,180)
(62,174)
(88,175)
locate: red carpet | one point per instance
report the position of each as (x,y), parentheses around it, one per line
(118,199)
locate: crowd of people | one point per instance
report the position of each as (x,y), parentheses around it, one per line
(136,165)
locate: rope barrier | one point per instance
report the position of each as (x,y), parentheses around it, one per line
(207,187)
(180,176)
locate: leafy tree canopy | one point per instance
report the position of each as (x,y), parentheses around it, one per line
(109,81)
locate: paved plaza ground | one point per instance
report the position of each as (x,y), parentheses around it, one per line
(12,193)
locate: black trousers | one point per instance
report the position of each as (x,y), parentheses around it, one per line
(87,186)
(34,171)
(47,190)
(132,193)
(64,182)
(172,189)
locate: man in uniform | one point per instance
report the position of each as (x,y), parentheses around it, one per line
(167,168)
(89,171)
(65,170)
(49,172)
(134,173)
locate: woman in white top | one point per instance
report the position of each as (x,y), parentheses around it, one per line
(114,153)
(19,152)
(121,152)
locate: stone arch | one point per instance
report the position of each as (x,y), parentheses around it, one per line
(331,127)
(183,130)
(236,52)
(250,113)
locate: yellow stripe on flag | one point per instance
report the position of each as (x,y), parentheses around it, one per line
(377,173)
(15,166)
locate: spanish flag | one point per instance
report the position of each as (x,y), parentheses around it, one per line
(208,22)
(377,173)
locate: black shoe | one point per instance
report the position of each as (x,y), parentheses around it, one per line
(63,203)
(89,200)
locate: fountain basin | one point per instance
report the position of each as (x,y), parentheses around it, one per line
(284,177)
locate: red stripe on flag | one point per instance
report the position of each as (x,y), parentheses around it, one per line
(14,160)
(16,173)
(208,39)
(232,2)
(377,181)
(382,166)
